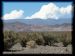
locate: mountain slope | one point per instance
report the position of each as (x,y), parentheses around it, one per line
(16,26)
(40,21)
(19,26)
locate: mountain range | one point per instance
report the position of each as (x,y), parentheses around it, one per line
(29,25)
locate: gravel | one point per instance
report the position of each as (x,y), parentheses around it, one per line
(43,50)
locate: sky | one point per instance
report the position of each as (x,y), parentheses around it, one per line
(37,10)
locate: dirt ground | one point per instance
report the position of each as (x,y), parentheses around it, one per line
(43,50)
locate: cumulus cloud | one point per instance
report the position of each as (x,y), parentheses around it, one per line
(66,10)
(15,14)
(50,11)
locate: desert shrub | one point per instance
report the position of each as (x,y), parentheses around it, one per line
(22,38)
(31,44)
(49,39)
(63,36)
(23,42)
(66,40)
(32,36)
(9,39)
(41,38)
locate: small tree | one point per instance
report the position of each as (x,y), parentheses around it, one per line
(49,39)
(66,40)
(9,39)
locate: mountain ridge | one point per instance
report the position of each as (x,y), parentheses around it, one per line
(40,21)
(20,26)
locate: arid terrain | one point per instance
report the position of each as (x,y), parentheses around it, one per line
(37,28)
(44,50)
(41,34)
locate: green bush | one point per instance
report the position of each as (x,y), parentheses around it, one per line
(31,36)
(41,38)
(66,40)
(22,38)
(10,38)
(49,39)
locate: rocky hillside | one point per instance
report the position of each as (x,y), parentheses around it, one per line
(18,26)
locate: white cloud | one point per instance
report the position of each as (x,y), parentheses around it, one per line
(66,10)
(15,14)
(45,12)
(50,11)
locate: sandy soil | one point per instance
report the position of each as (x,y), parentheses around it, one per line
(43,50)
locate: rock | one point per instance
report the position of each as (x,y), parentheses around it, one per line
(31,44)
(58,44)
(69,48)
(16,47)
(69,45)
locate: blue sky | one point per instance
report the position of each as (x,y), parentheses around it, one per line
(31,8)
